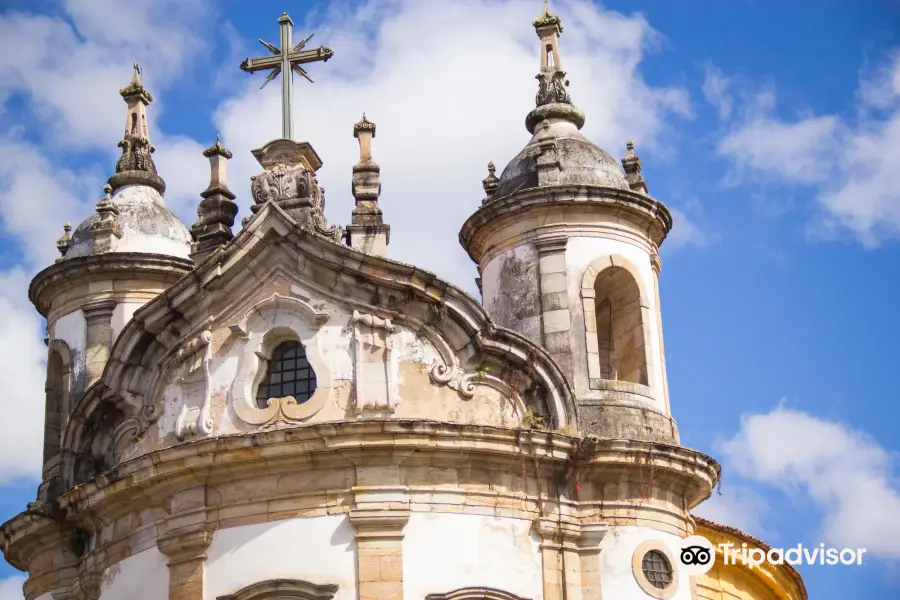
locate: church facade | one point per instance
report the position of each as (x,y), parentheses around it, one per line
(286,412)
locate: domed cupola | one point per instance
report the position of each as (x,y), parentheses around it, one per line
(132,216)
(567,247)
(556,120)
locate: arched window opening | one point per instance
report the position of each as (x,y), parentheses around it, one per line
(620,327)
(56,407)
(550,56)
(288,374)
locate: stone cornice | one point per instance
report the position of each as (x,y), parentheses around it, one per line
(649,214)
(332,454)
(44,285)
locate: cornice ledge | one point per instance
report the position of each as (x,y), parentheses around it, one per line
(113,261)
(572,195)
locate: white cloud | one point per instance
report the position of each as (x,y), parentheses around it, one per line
(715,90)
(11,588)
(846,475)
(448,83)
(22,357)
(737,506)
(851,162)
(687,232)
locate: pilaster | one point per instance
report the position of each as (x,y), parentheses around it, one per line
(98,338)
(556,318)
(186,552)
(379,542)
(569,560)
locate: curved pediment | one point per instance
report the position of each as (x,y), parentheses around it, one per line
(381,339)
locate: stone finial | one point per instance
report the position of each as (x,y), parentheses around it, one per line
(367,231)
(106,230)
(631,162)
(491,182)
(217,208)
(548,20)
(65,241)
(552,98)
(135,166)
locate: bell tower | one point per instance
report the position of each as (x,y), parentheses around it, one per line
(567,248)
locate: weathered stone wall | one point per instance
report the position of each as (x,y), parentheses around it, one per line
(510,291)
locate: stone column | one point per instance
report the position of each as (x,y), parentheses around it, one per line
(556,319)
(97,315)
(187,561)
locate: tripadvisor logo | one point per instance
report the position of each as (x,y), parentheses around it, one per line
(697,555)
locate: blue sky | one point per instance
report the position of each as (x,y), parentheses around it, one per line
(771,129)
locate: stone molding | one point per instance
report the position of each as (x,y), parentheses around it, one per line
(262,328)
(158,494)
(280,589)
(645,213)
(47,285)
(475,593)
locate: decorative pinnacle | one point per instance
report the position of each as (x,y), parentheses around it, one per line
(217,149)
(63,243)
(491,182)
(136,88)
(631,163)
(285,18)
(548,19)
(363,125)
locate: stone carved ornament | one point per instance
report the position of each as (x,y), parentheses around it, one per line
(195,420)
(374,377)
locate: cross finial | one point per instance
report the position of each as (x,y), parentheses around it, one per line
(286,60)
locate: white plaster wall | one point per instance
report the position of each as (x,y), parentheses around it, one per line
(122,314)
(582,251)
(445,552)
(320,550)
(72,329)
(144,575)
(616,550)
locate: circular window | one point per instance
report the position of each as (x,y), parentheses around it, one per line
(657,569)
(653,566)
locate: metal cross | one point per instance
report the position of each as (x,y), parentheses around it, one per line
(286,60)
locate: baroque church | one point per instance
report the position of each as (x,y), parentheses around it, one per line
(280,410)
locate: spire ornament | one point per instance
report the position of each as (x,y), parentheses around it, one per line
(552,100)
(490,183)
(65,240)
(135,166)
(367,231)
(106,231)
(217,209)
(631,163)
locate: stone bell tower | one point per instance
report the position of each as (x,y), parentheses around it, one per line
(115,261)
(567,247)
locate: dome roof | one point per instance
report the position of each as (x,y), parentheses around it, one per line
(580,161)
(146,223)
